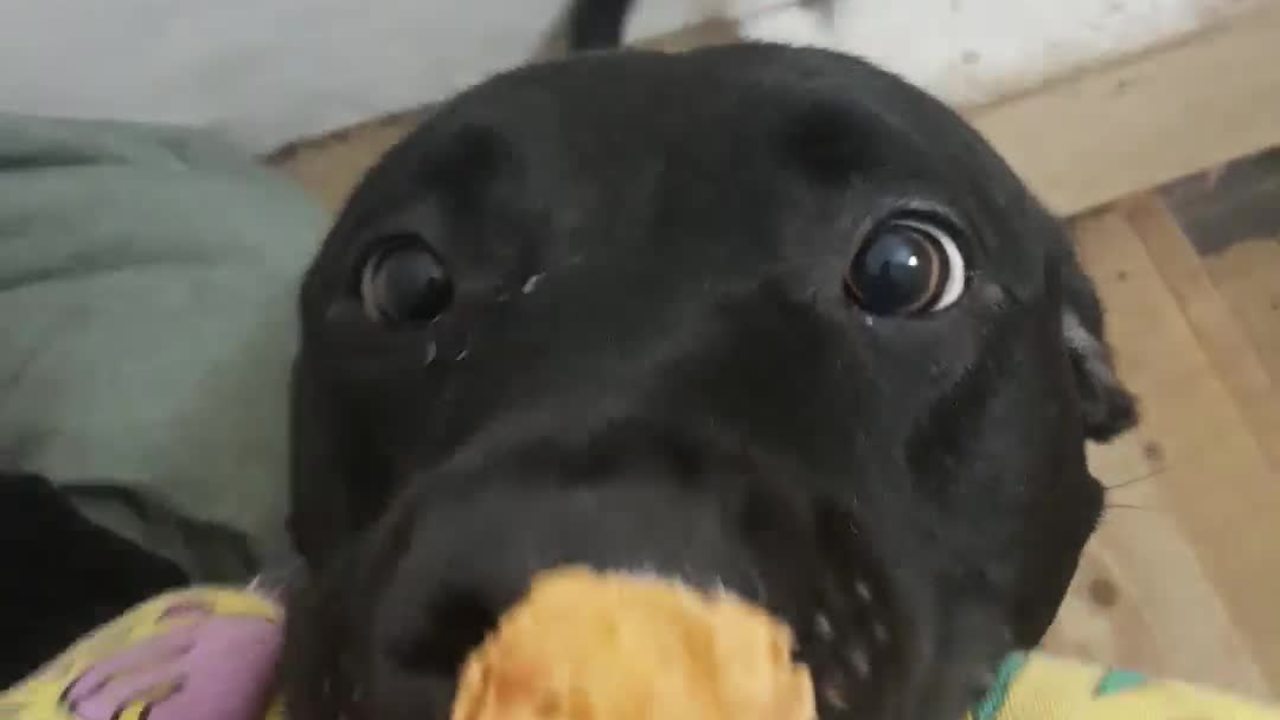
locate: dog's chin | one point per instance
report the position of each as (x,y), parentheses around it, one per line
(869,658)
(851,687)
(383,634)
(924,667)
(873,653)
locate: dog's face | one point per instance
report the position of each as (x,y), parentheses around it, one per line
(758,318)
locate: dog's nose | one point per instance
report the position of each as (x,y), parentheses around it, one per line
(467,563)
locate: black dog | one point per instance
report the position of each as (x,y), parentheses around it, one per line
(753,317)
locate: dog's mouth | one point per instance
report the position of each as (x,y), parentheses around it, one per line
(852,652)
(869,643)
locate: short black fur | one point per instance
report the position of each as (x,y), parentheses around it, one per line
(651,364)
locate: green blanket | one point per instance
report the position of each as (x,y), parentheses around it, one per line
(147,280)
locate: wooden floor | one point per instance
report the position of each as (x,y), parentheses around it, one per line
(1182,577)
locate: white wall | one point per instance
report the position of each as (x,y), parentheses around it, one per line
(268,71)
(974,51)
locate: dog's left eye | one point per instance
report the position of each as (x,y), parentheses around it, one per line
(404,281)
(906,266)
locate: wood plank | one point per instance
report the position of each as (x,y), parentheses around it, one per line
(329,167)
(1217,328)
(1247,275)
(1120,610)
(1116,130)
(1216,488)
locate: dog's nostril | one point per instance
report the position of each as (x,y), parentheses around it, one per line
(455,623)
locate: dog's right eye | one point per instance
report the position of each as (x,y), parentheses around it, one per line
(404,281)
(907,265)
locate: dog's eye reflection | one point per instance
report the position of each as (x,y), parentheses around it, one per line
(906,266)
(404,281)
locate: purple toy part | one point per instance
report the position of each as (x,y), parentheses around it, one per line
(206,667)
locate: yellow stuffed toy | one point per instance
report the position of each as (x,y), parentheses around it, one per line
(199,654)
(210,654)
(1039,687)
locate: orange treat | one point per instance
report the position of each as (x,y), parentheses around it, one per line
(590,646)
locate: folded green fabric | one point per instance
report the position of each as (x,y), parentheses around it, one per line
(147,281)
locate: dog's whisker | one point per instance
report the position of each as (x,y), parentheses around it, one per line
(1129,482)
(1126,506)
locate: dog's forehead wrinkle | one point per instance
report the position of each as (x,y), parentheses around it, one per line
(845,120)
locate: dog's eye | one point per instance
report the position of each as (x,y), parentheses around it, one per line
(906,266)
(404,281)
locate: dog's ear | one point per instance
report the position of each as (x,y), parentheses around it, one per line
(1107,407)
(597,24)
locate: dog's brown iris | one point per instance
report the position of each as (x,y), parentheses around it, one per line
(404,281)
(904,267)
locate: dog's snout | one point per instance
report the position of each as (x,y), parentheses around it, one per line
(466,563)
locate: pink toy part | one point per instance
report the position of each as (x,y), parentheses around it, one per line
(207,667)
